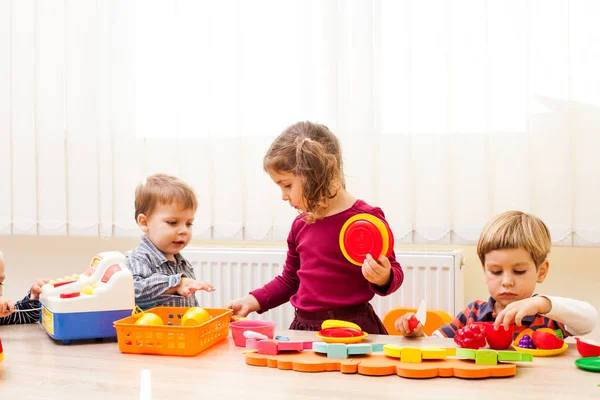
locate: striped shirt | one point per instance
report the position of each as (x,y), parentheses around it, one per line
(154,274)
(483,311)
(29,312)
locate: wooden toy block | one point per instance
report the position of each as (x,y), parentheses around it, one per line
(486,357)
(290,346)
(337,350)
(267,347)
(251,344)
(504,356)
(307,345)
(320,347)
(465,353)
(410,355)
(392,350)
(359,348)
(450,351)
(433,353)
(379,365)
(378,347)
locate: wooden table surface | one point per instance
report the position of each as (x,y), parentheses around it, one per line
(37,367)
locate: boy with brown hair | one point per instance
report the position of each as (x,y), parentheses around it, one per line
(513,248)
(164,210)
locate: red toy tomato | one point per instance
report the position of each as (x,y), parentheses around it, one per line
(546,340)
(470,337)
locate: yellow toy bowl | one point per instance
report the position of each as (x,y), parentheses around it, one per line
(345,340)
(537,352)
(541,353)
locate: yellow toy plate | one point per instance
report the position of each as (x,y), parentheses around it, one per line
(345,340)
(336,323)
(375,221)
(541,353)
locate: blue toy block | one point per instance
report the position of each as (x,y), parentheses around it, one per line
(320,347)
(337,350)
(377,347)
(359,348)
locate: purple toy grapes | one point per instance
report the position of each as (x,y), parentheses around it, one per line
(526,342)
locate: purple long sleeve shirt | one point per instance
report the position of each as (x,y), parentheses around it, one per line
(316,275)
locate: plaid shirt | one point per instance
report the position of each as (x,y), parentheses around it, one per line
(154,274)
(483,311)
(25,317)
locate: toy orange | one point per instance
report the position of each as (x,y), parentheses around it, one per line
(195,316)
(149,319)
(364,234)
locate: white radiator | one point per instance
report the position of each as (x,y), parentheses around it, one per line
(429,274)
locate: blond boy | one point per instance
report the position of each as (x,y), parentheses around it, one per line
(513,248)
(164,210)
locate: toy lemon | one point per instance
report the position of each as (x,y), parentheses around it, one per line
(364,234)
(195,316)
(149,319)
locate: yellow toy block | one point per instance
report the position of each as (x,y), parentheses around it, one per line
(433,353)
(392,350)
(410,355)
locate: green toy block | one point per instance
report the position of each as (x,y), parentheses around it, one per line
(465,353)
(320,347)
(486,357)
(377,347)
(337,350)
(359,348)
(514,356)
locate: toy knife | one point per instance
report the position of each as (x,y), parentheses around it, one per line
(420,316)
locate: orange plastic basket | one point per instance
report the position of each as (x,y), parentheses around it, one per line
(172,339)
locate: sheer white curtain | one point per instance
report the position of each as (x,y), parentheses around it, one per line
(448,112)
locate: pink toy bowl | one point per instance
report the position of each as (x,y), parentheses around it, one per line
(587,348)
(498,339)
(238,328)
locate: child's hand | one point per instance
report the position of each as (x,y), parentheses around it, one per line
(36,289)
(244,306)
(377,272)
(515,312)
(6,307)
(188,286)
(403,328)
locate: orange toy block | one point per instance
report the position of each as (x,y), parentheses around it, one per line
(379,365)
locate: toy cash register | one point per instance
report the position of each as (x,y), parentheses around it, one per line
(85,306)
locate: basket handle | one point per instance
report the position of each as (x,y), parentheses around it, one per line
(137,311)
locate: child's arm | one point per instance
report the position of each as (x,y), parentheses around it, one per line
(30,314)
(579,317)
(384,275)
(150,285)
(280,289)
(403,326)
(6,308)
